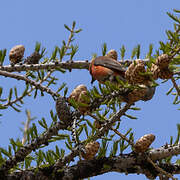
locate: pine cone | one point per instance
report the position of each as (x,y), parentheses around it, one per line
(133,75)
(129,72)
(33,58)
(16,54)
(165,74)
(163,61)
(91,150)
(63,111)
(156,71)
(76,92)
(112,54)
(137,77)
(143,143)
(83,98)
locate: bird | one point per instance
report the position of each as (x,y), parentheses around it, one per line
(105,68)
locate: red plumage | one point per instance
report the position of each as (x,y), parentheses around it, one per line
(104,69)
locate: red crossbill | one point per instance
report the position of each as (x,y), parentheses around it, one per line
(104,68)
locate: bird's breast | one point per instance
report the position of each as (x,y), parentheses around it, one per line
(99,72)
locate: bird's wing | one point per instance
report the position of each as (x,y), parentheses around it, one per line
(109,63)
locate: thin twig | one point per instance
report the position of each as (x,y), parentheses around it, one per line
(160,170)
(93,116)
(67,159)
(123,137)
(28,148)
(69,39)
(108,124)
(10,103)
(33,83)
(162,177)
(26,127)
(74,133)
(175,85)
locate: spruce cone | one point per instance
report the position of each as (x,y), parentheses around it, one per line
(16,54)
(76,92)
(143,143)
(163,61)
(112,54)
(83,98)
(33,58)
(63,111)
(133,75)
(91,150)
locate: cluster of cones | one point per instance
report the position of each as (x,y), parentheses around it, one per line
(137,75)
(140,146)
(16,55)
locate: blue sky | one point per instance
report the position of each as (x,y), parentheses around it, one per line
(115,22)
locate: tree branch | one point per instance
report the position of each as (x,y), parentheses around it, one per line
(67,159)
(70,64)
(80,64)
(107,125)
(122,163)
(27,149)
(126,163)
(164,152)
(27,80)
(175,85)
(10,103)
